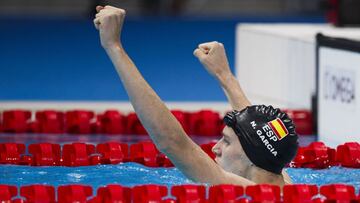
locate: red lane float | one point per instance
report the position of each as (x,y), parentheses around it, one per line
(134,126)
(180,193)
(163,161)
(38,193)
(348,154)
(15,121)
(33,127)
(112,152)
(112,122)
(225,193)
(263,193)
(45,154)
(7,193)
(74,193)
(299,193)
(207,148)
(112,193)
(183,118)
(96,127)
(303,121)
(189,193)
(78,121)
(316,155)
(50,121)
(10,153)
(26,160)
(338,192)
(149,193)
(77,154)
(206,123)
(144,153)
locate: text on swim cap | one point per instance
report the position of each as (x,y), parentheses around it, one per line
(253,124)
(265,134)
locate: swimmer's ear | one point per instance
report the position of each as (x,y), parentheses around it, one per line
(99,8)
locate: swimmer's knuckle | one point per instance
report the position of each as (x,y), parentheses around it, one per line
(108,17)
(122,11)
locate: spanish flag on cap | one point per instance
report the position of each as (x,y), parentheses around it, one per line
(279,128)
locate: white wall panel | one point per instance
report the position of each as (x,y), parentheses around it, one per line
(275,63)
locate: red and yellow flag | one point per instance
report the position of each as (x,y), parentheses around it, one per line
(279,128)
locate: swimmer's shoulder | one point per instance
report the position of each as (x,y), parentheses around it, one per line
(231,178)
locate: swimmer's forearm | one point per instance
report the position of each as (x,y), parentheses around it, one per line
(162,126)
(213,57)
(233,91)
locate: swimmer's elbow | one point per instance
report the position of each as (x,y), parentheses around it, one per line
(165,146)
(172,143)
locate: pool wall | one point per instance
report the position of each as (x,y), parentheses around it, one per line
(66,56)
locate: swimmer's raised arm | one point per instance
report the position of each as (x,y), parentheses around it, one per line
(162,126)
(213,57)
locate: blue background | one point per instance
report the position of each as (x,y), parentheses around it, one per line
(62,60)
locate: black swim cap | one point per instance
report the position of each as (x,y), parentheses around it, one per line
(266,134)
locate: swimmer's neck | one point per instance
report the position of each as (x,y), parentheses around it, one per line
(261,176)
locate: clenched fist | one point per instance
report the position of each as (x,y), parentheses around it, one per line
(109,21)
(212,55)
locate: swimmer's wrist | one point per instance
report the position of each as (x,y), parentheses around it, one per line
(225,78)
(112,47)
(115,50)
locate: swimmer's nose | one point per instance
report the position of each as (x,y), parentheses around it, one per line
(216,150)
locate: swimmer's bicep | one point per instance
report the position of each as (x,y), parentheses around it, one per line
(191,160)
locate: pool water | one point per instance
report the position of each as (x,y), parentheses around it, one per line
(130,174)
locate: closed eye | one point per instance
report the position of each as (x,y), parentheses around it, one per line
(225,138)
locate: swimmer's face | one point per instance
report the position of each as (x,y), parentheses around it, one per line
(229,153)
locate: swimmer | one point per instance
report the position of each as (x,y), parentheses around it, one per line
(258,141)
